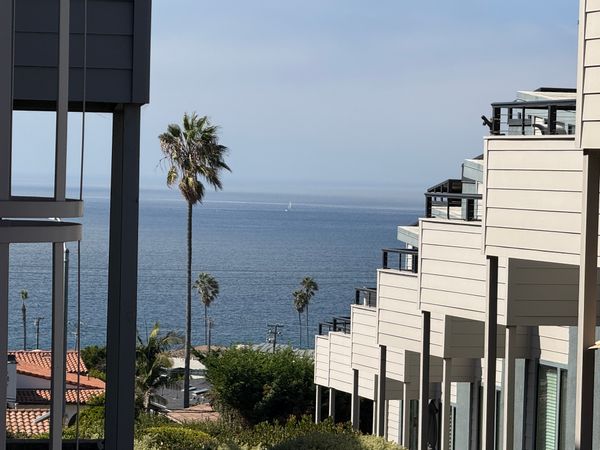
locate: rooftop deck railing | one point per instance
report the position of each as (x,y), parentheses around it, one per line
(449,200)
(366,296)
(404,259)
(337,324)
(548,117)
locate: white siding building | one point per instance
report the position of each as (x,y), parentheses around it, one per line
(482,331)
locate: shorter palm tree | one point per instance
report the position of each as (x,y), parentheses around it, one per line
(152,364)
(24,296)
(207,287)
(300,306)
(310,287)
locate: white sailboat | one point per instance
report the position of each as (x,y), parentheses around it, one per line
(289,207)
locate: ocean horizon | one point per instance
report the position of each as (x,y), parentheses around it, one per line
(256,249)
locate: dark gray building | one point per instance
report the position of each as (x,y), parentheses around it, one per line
(90,56)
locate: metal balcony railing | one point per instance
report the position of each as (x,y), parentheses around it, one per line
(449,200)
(404,259)
(366,296)
(529,118)
(337,324)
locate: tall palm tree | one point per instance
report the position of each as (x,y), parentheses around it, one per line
(194,157)
(300,305)
(152,363)
(24,296)
(208,290)
(310,287)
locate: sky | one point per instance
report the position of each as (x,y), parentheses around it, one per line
(328,97)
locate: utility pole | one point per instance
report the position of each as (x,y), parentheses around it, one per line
(272,333)
(211,324)
(37,332)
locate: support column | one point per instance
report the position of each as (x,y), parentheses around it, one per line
(6,113)
(59,364)
(62,104)
(424,383)
(4,272)
(491,337)
(318,403)
(381,388)
(588,294)
(509,388)
(122,279)
(332,403)
(6,95)
(374,428)
(355,402)
(446,402)
(405,417)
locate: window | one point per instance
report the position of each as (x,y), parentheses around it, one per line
(551,411)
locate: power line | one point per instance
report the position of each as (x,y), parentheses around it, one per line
(272,333)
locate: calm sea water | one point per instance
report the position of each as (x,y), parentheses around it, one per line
(257,251)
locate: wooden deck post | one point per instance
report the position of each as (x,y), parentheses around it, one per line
(509,388)
(588,294)
(355,402)
(381,391)
(490,338)
(332,403)
(318,403)
(446,403)
(424,382)
(405,417)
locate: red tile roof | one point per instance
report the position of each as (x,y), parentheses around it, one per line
(45,372)
(22,421)
(42,396)
(42,358)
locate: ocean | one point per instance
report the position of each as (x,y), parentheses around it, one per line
(257,251)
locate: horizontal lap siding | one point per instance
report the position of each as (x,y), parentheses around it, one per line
(395,364)
(588,89)
(110,43)
(453,270)
(533,199)
(542,293)
(340,371)
(394,416)
(322,360)
(399,324)
(365,351)
(552,343)
(366,384)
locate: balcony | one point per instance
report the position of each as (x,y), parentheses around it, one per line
(366,296)
(532,118)
(401,259)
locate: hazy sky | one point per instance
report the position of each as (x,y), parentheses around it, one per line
(336,96)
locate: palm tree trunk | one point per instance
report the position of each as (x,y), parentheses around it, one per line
(307,338)
(24,314)
(188,313)
(205,324)
(300,327)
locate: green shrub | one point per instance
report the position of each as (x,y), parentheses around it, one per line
(257,387)
(336,441)
(94,357)
(377,443)
(170,437)
(91,424)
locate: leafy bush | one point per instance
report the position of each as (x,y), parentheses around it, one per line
(178,438)
(94,357)
(91,424)
(264,435)
(257,386)
(329,441)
